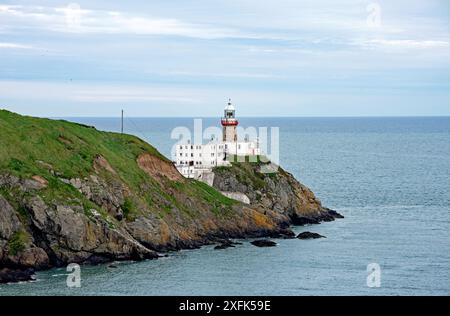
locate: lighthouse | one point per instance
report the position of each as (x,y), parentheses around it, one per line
(229,123)
(196,161)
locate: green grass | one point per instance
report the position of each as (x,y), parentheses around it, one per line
(212,195)
(246,173)
(129,208)
(17,243)
(69,148)
(57,150)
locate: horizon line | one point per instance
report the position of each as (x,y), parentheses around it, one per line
(278,116)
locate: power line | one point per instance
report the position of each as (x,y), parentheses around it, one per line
(121,126)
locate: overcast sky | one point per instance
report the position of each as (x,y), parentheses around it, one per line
(185,58)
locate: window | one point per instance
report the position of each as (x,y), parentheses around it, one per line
(181,147)
(192,147)
(192,155)
(181,154)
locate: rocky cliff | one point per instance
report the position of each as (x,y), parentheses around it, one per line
(270,187)
(72,194)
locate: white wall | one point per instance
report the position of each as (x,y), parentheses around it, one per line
(190,159)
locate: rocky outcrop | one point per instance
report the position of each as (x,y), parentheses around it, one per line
(18,275)
(226,243)
(309,235)
(109,194)
(263,243)
(277,190)
(53,236)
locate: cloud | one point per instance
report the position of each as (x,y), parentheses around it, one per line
(406,43)
(74,19)
(15,46)
(95,93)
(223,75)
(114,95)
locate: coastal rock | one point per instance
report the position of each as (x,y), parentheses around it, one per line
(309,235)
(226,243)
(33,257)
(16,275)
(263,243)
(69,236)
(285,233)
(276,190)
(335,214)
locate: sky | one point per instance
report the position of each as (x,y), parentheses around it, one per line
(186,58)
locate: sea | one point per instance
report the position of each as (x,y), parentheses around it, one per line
(389,177)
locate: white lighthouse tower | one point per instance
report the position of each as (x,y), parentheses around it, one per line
(229,123)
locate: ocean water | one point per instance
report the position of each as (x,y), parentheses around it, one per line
(390,177)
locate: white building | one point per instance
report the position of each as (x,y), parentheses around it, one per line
(196,160)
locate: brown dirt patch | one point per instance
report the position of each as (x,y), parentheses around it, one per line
(40,180)
(158,168)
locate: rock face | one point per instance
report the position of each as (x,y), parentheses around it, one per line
(77,195)
(278,191)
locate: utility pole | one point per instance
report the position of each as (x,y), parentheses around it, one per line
(121,125)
